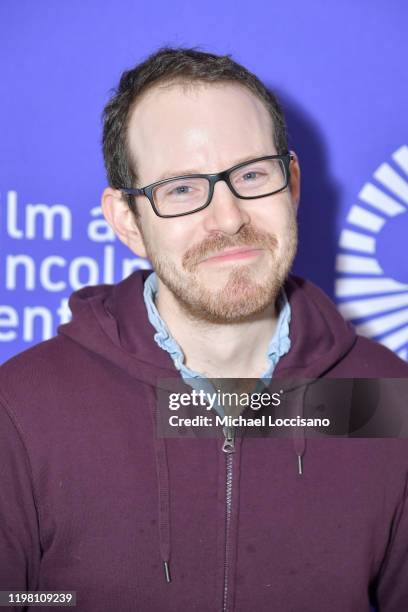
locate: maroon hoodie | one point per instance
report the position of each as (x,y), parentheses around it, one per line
(93,501)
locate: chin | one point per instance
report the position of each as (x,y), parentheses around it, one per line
(228,295)
(238,299)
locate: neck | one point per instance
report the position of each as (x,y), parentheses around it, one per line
(219,350)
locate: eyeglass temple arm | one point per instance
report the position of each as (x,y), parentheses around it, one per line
(133,191)
(129,193)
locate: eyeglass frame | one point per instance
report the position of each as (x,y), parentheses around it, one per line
(212,179)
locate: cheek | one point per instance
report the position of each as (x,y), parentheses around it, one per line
(170,238)
(182,234)
(274,217)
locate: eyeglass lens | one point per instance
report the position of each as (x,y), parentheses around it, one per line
(253,180)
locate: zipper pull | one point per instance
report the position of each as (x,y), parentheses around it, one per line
(229,440)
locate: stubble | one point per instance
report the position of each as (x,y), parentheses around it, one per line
(247,291)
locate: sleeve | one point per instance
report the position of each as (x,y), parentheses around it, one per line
(20,549)
(392,585)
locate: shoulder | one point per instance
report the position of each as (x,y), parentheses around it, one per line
(327,341)
(39,378)
(370,359)
(43,358)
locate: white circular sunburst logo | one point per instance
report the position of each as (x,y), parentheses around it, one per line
(371,265)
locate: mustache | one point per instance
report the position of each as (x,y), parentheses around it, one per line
(248,236)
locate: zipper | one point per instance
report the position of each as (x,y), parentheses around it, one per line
(228,447)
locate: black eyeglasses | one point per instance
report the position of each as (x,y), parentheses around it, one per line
(184,195)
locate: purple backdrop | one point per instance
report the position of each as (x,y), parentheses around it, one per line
(340,69)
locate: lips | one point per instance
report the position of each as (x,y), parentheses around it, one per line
(232,254)
(218,248)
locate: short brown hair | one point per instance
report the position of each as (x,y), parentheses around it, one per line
(166,65)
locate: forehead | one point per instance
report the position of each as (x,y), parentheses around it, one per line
(201,127)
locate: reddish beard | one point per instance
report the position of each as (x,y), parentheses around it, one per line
(242,296)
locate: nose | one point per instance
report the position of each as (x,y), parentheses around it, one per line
(226,212)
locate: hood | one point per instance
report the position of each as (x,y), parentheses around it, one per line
(111,321)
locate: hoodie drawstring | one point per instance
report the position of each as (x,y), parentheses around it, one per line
(299,440)
(162,470)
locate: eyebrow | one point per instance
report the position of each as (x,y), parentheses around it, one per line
(186,172)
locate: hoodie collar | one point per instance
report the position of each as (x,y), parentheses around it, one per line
(112,321)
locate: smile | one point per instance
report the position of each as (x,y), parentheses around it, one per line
(233,255)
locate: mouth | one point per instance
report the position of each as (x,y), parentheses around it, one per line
(234,254)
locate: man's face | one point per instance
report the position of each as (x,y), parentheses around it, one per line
(227,262)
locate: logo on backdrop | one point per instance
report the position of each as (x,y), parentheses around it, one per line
(46,254)
(371,267)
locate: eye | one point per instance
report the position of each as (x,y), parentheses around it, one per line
(180,190)
(250,175)
(177,191)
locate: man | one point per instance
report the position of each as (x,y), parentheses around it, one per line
(92,498)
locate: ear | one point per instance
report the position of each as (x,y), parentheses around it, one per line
(122,220)
(294,181)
